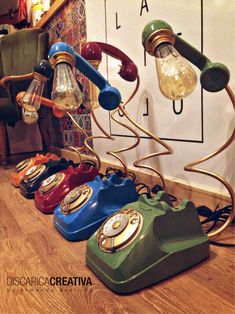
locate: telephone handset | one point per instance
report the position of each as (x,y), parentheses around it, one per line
(145,242)
(93,50)
(86,207)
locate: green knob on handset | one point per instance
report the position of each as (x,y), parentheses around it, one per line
(145,242)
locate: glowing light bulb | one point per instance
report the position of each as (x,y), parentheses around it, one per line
(31,101)
(91,101)
(65,92)
(176,77)
(32,98)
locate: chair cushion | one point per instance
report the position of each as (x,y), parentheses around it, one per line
(19,51)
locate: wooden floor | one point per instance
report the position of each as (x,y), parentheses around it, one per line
(31,247)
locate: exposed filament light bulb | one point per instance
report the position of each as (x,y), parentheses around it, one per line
(31,101)
(92,101)
(65,92)
(176,77)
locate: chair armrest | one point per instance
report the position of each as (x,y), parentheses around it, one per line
(5,81)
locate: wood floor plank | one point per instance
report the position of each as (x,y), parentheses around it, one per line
(21,261)
(9,225)
(31,247)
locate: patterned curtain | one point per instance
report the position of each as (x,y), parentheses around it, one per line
(69,25)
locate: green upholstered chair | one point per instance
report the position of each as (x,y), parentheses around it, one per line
(19,53)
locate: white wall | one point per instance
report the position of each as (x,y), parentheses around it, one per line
(218,45)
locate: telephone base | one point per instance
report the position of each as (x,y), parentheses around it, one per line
(80,234)
(27,194)
(146,242)
(78,217)
(171,264)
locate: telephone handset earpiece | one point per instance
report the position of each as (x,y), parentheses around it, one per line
(93,51)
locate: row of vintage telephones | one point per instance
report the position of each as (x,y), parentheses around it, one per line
(134,241)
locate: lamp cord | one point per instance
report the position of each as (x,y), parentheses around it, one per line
(118,172)
(218,215)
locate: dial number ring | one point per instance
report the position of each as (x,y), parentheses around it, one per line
(51,182)
(75,199)
(22,165)
(119,230)
(34,172)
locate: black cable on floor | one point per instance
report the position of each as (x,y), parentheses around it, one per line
(156,188)
(231,245)
(218,215)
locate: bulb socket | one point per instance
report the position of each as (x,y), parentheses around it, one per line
(157,38)
(62,57)
(39,77)
(44,68)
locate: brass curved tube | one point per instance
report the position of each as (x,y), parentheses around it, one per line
(5,81)
(77,149)
(121,107)
(190,167)
(168,151)
(107,136)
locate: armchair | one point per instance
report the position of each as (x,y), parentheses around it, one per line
(19,52)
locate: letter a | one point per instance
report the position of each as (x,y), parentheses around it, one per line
(144,5)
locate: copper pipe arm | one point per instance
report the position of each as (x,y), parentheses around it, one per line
(5,81)
(191,167)
(59,114)
(44,101)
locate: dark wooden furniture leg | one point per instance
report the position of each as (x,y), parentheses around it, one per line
(43,128)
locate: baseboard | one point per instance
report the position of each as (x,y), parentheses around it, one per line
(180,190)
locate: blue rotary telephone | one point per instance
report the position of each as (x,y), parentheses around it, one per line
(86,207)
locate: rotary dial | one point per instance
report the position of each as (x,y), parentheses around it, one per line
(119,230)
(23,164)
(76,199)
(34,172)
(51,182)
